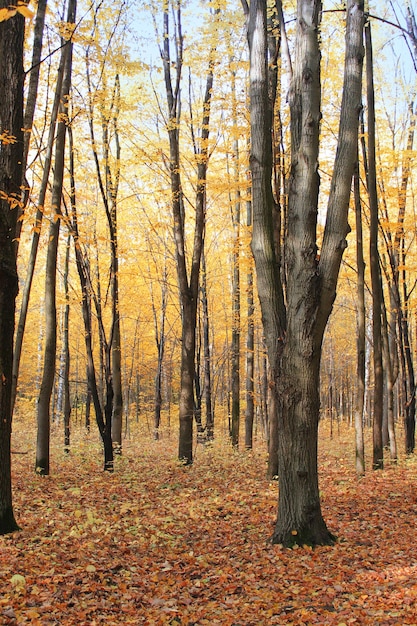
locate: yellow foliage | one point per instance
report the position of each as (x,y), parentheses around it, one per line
(9,12)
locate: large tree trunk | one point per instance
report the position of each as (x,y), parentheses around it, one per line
(11,153)
(295,347)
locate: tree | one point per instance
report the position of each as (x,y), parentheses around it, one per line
(235,204)
(48,375)
(12,30)
(109,185)
(188,277)
(30,107)
(378,450)
(294,332)
(360,340)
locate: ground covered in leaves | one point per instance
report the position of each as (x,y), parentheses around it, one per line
(158,543)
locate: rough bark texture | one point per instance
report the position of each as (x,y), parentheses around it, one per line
(295,346)
(263,244)
(11,154)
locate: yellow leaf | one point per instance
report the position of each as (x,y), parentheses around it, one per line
(6,14)
(24,10)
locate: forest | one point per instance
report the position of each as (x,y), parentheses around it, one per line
(207,312)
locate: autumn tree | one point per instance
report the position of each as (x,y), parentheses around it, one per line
(12,30)
(48,374)
(188,272)
(294,330)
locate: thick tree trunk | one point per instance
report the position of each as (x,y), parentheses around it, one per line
(186,404)
(295,346)
(299,512)
(263,241)
(11,154)
(235,201)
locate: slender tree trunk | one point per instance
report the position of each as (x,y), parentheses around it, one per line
(32,94)
(250,347)
(66,351)
(378,450)
(388,369)
(360,340)
(410,407)
(188,281)
(159,329)
(38,222)
(235,347)
(12,32)
(103,418)
(207,353)
(43,412)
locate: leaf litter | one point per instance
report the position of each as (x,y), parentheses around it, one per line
(157,543)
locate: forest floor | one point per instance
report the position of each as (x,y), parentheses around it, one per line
(159,543)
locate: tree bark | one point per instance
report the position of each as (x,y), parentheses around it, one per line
(48,375)
(250,347)
(235,201)
(103,419)
(295,347)
(360,340)
(188,279)
(32,94)
(11,154)
(207,353)
(378,449)
(38,223)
